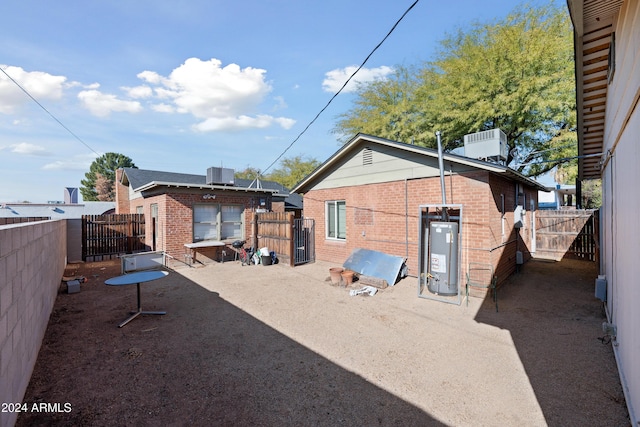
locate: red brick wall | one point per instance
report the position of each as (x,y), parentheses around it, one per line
(122,194)
(380,217)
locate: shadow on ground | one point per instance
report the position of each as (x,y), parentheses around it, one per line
(205,363)
(569,362)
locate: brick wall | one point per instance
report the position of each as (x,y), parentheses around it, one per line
(32,262)
(122,194)
(384,217)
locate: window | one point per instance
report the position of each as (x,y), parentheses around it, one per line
(217,222)
(337,220)
(231,222)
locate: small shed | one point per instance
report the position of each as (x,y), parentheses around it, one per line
(183,208)
(368,195)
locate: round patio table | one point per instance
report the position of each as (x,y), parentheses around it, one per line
(135,279)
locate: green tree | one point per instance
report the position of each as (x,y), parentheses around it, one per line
(99,181)
(516,75)
(292,170)
(248,173)
(389,108)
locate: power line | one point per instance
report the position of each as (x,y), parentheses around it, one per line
(49,113)
(343,86)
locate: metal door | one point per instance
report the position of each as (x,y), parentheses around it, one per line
(304,248)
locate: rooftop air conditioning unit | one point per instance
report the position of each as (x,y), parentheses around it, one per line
(220,176)
(487,145)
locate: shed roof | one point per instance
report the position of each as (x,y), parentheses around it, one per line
(346,150)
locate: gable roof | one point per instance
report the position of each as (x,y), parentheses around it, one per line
(346,150)
(593,27)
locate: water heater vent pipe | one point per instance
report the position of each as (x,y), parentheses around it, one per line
(441,166)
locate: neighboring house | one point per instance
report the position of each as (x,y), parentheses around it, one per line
(607,50)
(558,197)
(72,212)
(188,208)
(55,210)
(367,195)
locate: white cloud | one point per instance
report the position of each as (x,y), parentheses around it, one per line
(224,98)
(137,92)
(242,122)
(29,149)
(81,162)
(280,103)
(334,79)
(163,108)
(102,104)
(41,85)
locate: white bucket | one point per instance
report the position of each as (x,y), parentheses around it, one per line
(264,251)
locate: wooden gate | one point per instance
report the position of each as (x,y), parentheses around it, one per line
(106,236)
(572,233)
(291,239)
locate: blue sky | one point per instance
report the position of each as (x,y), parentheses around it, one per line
(184,85)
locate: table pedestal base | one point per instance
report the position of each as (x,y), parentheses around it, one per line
(135,314)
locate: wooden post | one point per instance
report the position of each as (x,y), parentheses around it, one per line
(129,232)
(254,242)
(84,238)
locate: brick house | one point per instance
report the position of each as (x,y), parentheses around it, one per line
(368,194)
(184,208)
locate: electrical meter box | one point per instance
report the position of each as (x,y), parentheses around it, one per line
(518,217)
(442,259)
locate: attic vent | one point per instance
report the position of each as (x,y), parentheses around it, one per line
(367,156)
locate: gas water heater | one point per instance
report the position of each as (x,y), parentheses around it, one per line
(442,258)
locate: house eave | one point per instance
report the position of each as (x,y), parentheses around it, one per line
(593,23)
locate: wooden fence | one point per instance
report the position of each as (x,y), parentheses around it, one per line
(106,236)
(572,233)
(291,239)
(274,230)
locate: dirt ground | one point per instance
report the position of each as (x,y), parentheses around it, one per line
(274,345)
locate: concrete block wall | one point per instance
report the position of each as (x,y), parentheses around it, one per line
(32,262)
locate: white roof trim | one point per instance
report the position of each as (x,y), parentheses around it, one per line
(154,184)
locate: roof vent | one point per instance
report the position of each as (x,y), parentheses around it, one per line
(220,176)
(487,145)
